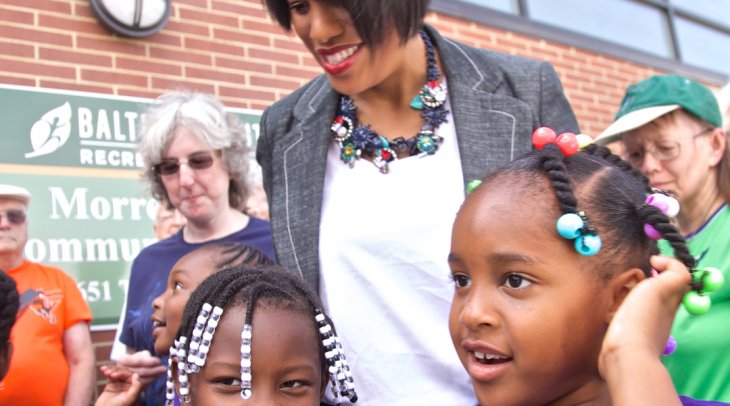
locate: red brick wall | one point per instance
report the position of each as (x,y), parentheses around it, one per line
(231,48)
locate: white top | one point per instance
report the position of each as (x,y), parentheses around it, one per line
(385,281)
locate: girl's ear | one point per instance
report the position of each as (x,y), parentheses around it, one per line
(620,286)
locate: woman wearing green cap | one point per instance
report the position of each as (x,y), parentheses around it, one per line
(671,128)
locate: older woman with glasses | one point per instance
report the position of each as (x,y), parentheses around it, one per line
(196,160)
(671,130)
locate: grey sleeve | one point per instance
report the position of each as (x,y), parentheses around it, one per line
(555,111)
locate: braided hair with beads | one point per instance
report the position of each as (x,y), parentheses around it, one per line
(249,286)
(627,216)
(612,195)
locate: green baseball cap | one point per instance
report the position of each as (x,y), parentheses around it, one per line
(656,96)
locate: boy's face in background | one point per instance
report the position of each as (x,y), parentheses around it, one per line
(528,315)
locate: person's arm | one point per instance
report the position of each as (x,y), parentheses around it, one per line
(118,347)
(555,110)
(80,357)
(145,365)
(631,352)
(122,388)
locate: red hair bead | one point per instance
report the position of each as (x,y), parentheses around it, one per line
(543,136)
(568,143)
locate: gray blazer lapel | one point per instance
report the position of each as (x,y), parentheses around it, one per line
(479,108)
(304,161)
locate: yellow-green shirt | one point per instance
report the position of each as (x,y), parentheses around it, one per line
(700,367)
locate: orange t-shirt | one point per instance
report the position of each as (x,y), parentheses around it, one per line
(38,372)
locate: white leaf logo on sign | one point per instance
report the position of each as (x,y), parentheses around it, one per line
(50,132)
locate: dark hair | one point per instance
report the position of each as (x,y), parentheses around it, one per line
(252,285)
(9,302)
(370,17)
(231,254)
(612,194)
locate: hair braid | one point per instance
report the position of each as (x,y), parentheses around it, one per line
(654,217)
(205,291)
(648,214)
(552,162)
(234,253)
(606,154)
(9,301)
(268,291)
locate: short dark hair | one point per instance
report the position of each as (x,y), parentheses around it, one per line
(230,254)
(370,17)
(611,192)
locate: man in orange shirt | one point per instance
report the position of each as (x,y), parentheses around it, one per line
(52,362)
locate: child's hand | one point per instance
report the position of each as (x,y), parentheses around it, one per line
(147,367)
(122,388)
(630,356)
(644,320)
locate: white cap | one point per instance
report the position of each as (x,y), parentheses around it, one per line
(15,192)
(632,121)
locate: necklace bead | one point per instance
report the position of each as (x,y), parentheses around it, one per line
(358,141)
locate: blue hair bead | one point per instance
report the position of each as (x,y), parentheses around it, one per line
(588,244)
(569,225)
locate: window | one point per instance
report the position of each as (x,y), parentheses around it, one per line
(626,22)
(703,46)
(717,11)
(674,35)
(507,6)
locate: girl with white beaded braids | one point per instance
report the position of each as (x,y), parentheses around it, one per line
(218,352)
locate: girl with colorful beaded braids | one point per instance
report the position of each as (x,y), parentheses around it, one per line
(9,302)
(124,384)
(544,252)
(256,336)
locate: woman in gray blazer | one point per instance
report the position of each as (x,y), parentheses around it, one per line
(365,168)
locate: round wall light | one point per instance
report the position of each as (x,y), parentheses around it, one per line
(132,18)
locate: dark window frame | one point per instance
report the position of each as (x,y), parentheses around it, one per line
(523,25)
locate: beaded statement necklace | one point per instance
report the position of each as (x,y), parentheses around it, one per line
(356,140)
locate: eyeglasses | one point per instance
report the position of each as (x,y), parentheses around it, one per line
(662,151)
(15,217)
(197,161)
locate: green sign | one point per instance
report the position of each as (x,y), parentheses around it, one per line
(90,214)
